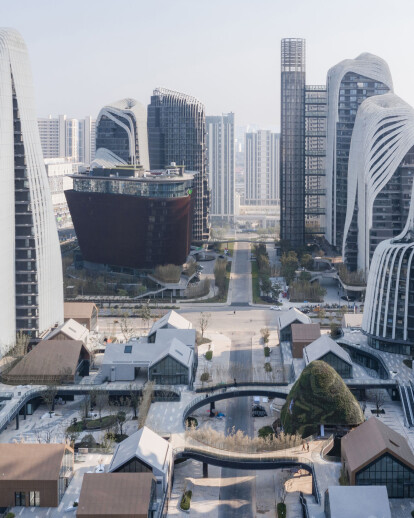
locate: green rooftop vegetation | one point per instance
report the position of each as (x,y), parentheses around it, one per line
(319,396)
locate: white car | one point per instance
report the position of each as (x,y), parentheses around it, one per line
(276,308)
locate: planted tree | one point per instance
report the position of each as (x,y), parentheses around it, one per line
(307,261)
(275,290)
(204,321)
(265,335)
(265,285)
(377,397)
(101,401)
(120,419)
(134,399)
(48,398)
(289,266)
(145,313)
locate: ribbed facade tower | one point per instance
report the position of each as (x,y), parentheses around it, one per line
(292,142)
(30,261)
(349,83)
(177,133)
(121,128)
(389,302)
(380,177)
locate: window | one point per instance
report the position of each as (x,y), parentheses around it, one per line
(34,498)
(128,349)
(20,498)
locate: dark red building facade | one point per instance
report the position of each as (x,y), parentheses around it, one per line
(131,231)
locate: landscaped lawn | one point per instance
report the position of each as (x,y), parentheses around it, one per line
(92,424)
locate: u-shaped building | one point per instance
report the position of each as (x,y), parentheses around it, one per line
(30,261)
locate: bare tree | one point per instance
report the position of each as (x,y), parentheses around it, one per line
(22,342)
(265,335)
(145,313)
(85,406)
(120,419)
(72,432)
(204,321)
(127,329)
(44,436)
(134,399)
(101,401)
(377,397)
(48,398)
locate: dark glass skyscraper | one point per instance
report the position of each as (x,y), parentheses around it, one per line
(177,133)
(292,142)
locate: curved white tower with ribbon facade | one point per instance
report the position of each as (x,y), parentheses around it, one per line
(121,127)
(349,83)
(380,175)
(30,261)
(389,303)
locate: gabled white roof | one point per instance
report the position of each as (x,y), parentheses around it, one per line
(172,320)
(145,445)
(285,318)
(187,336)
(72,329)
(178,351)
(323,345)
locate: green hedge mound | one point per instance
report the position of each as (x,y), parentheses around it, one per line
(319,396)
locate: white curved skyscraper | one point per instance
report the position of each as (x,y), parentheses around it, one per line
(389,302)
(349,83)
(30,261)
(380,176)
(121,127)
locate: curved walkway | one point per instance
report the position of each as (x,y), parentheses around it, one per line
(238,391)
(284,458)
(12,407)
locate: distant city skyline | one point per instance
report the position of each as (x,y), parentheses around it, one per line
(227,54)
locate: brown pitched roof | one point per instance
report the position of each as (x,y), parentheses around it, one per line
(370,440)
(115,495)
(305,332)
(50,358)
(31,461)
(78,309)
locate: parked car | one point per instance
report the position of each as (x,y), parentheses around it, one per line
(258,411)
(276,308)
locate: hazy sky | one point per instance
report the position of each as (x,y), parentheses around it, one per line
(86,53)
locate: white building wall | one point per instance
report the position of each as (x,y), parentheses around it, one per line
(220,160)
(62,137)
(262,168)
(14,65)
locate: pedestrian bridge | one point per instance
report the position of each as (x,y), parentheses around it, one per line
(280,459)
(271,391)
(13,406)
